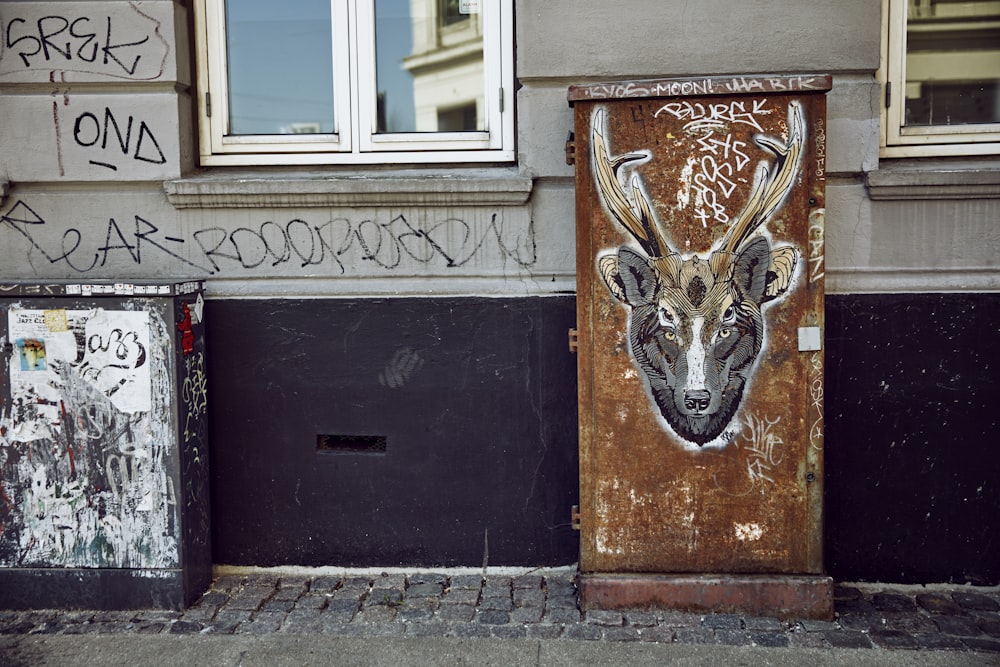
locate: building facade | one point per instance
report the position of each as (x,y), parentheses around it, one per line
(390,288)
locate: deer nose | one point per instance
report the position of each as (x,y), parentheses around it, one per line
(697,400)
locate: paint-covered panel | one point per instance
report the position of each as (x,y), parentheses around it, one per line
(700,277)
(87,445)
(91,137)
(76,42)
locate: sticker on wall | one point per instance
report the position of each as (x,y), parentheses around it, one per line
(696,326)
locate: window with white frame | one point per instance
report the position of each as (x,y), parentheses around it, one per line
(355,81)
(941,70)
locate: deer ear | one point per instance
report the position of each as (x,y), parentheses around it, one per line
(751,267)
(779,274)
(636,278)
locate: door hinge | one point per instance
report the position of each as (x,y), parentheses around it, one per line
(208,105)
(501,100)
(888,94)
(574,517)
(571,149)
(574,340)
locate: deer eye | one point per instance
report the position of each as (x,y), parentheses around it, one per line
(729,316)
(724,332)
(667,322)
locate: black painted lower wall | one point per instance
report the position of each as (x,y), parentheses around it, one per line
(386,432)
(443,432)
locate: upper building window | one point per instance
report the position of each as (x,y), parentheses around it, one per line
(355,81)
(941,68)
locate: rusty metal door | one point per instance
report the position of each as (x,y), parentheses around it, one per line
(700,206)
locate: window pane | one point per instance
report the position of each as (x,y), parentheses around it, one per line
(429,66)
(280,67)
(952,62)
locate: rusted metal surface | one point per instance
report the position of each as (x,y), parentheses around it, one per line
(778,596)
(700,261)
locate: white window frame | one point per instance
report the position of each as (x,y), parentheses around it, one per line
(899,141)
(354,140)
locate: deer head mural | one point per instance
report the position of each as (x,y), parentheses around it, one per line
(695,323)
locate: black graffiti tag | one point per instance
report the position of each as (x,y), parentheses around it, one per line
(341,243)
(52,41)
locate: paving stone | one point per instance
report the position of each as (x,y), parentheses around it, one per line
(493,616)
(938,642)
(496,604)
(939,603)
(640,619)
(892,639)
(544,631)
(508,631)
(227,620)
(557,587)
(765,623)
(376,614)
(604,617)
(424,590)
(262,623)
(560,602)
(695,636)
(429,629)
(250,598)
(722,622)
(461,596)
(584,632)
(212,598)
(388,597)
(733,637)
(471,630)
(199,614)
(962,626)
(893,602)
(768,639)
(854,607)
(975,601)
(185,628)
(561,615)
(455,613)
(806,640)
(414,613)
(526,615)
(990,625)
(528,582)
(660,634)
(621,634)
(679,619)
(228,582)
(497,584)
(847,639)
(532,597)
(987,644)
(466,581)
(312,601)
(279,605)
(153,628)
(435,578)
(910,623)
(386,580)
(859,622)
(325,584)
(384,630)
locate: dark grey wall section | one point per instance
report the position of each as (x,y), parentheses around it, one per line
(912,465)
(475,399)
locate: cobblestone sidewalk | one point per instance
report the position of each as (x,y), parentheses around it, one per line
(544,607)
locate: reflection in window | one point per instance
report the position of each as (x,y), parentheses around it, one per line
(952,62)
(279,66)
(429,72)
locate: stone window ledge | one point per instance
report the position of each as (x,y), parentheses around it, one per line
(435,187)
(968,179)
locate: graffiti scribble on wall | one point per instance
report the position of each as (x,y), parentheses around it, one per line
(696,326)
(85,444)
